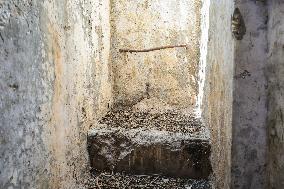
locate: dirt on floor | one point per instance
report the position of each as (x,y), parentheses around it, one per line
(107,180)
(170,120)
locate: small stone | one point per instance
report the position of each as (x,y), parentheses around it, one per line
(165,180)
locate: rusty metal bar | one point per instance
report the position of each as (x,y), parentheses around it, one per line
(151,49)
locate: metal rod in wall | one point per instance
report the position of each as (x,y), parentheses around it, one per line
(151,49)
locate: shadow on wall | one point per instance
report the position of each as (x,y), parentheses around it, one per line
(249,145)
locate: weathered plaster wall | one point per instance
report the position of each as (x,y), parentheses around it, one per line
(275,73)
(54,78)
(218,91)
(249,146)
(171,74)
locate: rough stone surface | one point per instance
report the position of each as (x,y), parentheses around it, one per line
(249,148)
(146,150)
(275,72)
(169,74)
(218,89)
(53,77)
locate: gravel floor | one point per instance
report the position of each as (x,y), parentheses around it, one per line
(171,120)
(122,181)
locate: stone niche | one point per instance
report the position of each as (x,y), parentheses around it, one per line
(152,127)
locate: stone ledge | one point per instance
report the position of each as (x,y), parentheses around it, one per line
(148,151)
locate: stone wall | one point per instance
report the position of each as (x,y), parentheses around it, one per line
(170,75)
(275,73)
(218,91)
(249,147)
(54,78)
